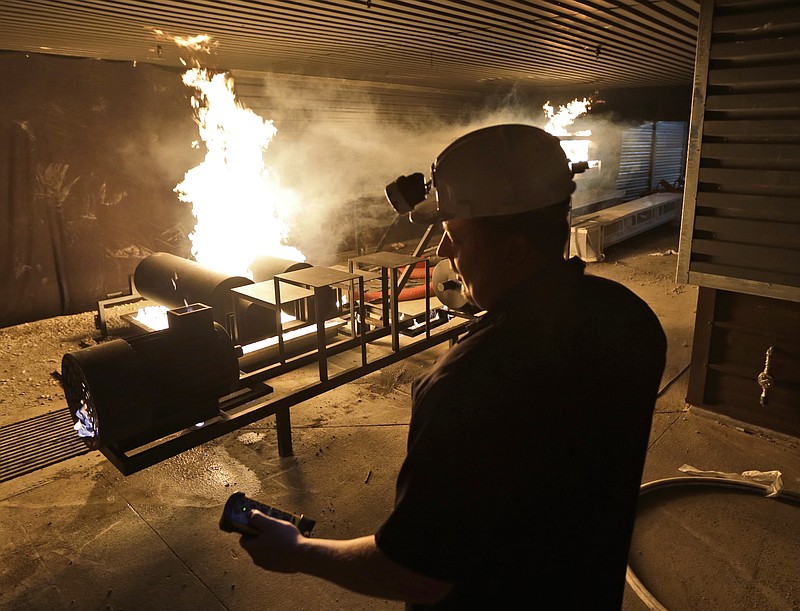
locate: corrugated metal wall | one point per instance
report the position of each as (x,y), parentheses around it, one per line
(651,153)
(634,160)
(669,157)
(741,226)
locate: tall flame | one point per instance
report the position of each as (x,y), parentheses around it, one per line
(240,208)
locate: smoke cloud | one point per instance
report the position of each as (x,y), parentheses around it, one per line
(339,143)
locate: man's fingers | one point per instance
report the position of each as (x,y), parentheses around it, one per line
(258,519)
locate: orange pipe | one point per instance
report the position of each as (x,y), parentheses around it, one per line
(417,273)
(407,294)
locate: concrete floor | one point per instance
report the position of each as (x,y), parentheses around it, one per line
(79,535)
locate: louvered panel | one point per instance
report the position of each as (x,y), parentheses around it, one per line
(744,105)
(748,231)
(444,44)
(747,255)
(763,77)
(769,49)
(748,279)
(755,17)
(753,130)
(744,212)
(765,156)
(738,180)
(669,158)
(756,207)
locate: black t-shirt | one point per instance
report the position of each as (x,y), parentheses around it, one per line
(526,448)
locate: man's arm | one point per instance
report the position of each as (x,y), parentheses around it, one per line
(355,564)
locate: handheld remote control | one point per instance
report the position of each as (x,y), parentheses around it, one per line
(234,516)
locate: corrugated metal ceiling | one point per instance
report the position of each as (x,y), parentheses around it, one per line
(457,45)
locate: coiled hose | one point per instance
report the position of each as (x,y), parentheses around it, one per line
(719,482)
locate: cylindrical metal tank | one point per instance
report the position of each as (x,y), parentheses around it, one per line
(173,281)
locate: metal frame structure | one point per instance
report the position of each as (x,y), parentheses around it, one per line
(366,325)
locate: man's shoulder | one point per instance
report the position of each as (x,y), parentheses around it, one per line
(611,289)
(614,299)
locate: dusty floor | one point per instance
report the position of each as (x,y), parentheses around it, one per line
(79,535)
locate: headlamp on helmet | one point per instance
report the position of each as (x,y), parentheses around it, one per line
(407,191)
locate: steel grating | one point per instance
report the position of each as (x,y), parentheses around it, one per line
(38,442)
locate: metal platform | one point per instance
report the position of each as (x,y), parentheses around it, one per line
(592,233)
(367,342)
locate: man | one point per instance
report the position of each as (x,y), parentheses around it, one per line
(528,437)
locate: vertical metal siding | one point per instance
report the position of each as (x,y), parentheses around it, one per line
(669,159)
(650,153)
(634,161)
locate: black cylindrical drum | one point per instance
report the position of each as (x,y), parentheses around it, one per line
(173,281)
(125,393)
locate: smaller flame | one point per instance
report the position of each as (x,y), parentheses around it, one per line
(152,317)
(155,317)
(559,120)
(576,150)
(85,423)
(201,42)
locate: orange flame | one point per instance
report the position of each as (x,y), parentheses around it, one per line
(240,208)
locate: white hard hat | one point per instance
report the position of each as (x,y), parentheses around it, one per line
(496,171)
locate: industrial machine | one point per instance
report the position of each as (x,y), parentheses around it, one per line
(163,391)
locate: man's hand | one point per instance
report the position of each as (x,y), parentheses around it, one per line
(276,547)
(355,564)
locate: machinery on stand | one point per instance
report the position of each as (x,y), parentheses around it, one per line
(228,340)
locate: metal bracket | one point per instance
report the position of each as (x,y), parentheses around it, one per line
(764,379)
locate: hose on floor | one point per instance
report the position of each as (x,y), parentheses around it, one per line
(691,481)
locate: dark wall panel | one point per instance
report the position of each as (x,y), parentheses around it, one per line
(733,333)
(90,152)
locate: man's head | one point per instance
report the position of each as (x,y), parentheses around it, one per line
(490,255)
(503,193)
